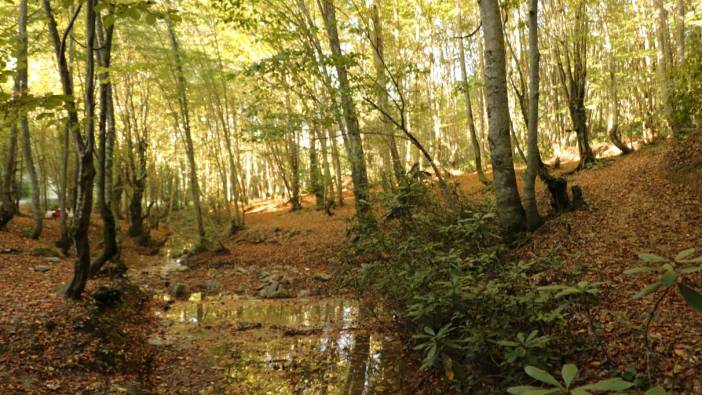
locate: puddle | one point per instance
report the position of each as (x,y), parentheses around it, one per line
(292,346)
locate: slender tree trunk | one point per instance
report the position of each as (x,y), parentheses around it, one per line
(316,181)
(327,178)
(509,206)
(680,30)
(665,62)
(238,219)
(106,137)
(469,111)
(185,115)
(293,145)
(355,145)
(7,209)
(381,80)
(22,89)
(613,121)
(86,172)
(71,122)
(336,161)
(533,160)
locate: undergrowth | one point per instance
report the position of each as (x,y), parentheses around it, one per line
(477,316)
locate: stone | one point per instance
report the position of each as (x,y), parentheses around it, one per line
(274,291)
(44,252)
(173,266)
(210,286)
(41,268)
(321,277)
(53,259)
(305,293)
(289,280)
(242,270)
(273,278)
(179,291)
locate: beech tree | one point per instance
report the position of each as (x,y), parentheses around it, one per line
(509,206)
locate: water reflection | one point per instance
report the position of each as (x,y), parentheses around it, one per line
(292,346)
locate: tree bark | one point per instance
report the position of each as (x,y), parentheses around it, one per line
(316,181)
(106,138)
(185,120)
(509,206)
(613,121)
(293,147)
(336,162)
(665,63)
(86,172)
(680,30)
(469,109)
(22,90)
(381,81)
(71,121)
(533,160)
(355,146)
(573,78)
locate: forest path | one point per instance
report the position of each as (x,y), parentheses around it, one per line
(265,317)
(632,207)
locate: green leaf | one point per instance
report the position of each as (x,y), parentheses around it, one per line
(552,287)
(569,371)
(615,385)
(684,254)
(690,269)
(541,375)
(529,390)
(692,297)
(651,257)
(657,390)
(522,389)
(567,292)
(651,288)
(639,270)
(151,19)
(668,279)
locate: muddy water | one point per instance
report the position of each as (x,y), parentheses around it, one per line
(292,346)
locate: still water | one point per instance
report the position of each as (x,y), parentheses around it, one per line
(291,346)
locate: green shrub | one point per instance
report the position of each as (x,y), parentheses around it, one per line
(445,271)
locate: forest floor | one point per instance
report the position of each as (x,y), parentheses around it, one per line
(213,323)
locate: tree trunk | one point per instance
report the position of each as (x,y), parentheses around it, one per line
(355,146)
(469,110)
(680,30)
(21,90)
(71,121)
(613,121)
(86,172)
(294,172)
(381,80)
(185,115)
(509,206)
(328,184)
(316,181)
(336,161)
(665,62)
(106,138)
(533,159)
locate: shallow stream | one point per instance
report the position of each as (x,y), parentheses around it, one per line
(288,346)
